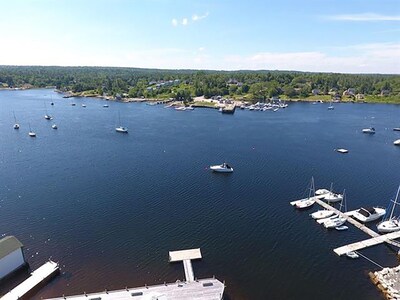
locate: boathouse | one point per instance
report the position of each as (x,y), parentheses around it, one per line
(11,256)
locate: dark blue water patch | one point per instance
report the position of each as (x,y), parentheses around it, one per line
(110,206)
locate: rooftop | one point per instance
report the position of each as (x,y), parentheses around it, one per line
(8,245)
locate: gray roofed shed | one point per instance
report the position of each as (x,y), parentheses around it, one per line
(8,245)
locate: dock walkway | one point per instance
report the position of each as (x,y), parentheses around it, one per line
(37,277)
(376,237)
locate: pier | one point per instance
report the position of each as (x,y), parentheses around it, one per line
(376,237)
(191,288)
(38,277)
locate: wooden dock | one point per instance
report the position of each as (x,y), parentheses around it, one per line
(203,289)
(37,277)
(376,237)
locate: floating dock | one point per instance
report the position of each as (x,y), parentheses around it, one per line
(38,277)
(202,289)
(376,237)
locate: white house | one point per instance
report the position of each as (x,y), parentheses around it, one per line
(11,256)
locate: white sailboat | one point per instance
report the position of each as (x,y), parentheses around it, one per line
(16,125)
(308,202)
(31,133)
(224,168)
(331,107)
(120,128)
(392,223)
(47,116)
(332,197)
(325,213)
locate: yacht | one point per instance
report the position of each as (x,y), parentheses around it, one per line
(224,168)
(333,223)
(322,214)
(332,197)
(105,105)
(370,130)
(73,104)
(54,126)
(396,143)
(83,105)
(396,129)
(47,117)
(31,133)
(368,214)
(342,150)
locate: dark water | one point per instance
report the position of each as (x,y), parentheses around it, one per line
(110,206)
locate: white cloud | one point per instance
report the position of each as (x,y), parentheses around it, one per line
(184,21)
(364,17)
(197,17)
(174,22)
(367,58)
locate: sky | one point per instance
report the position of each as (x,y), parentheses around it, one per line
(346,36)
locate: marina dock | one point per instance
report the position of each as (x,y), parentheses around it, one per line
(38,277)
(376,237)
(191,288)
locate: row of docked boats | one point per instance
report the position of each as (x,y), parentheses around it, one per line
(265,106)
(330,219)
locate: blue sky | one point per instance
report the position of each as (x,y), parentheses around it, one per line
(351,36)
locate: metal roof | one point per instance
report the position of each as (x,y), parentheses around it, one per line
(9,244)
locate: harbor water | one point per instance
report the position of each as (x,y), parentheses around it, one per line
(109,206)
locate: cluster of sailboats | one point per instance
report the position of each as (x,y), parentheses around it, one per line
(47,116)
(330,219)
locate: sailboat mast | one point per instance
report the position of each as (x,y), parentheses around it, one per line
(394,203)
(15,119)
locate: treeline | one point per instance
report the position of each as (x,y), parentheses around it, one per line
(183,84)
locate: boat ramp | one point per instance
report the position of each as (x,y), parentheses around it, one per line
(191,288)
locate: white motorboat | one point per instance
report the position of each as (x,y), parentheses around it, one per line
(352,254)
(189,108)
(392,223)
(333,223)
(224,168)
(180,108)
(322,221)
(121,129)
(54,126)
(310,200)
(369,214)
(105,105)
(370,130)
(16,125)
(396,143)
(331,107)
(332,197)
(322,214)
(321,192)
(83,105)
(341,228)
(396,129)
(73,104)
(342,150)
(47,117)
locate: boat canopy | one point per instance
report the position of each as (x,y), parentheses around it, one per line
(367,211)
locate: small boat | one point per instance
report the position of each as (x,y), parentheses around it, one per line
(73,104)
(341,228)
(369,214)
(180,108)
(310,200)
(396,143)
(83,105)
(31,133)
(16,125)
(54,126)
(322,221)
(276,109)
(120,128)
(47,117)
(189,107)
(342,150)
(370,130)
(224,168)
(392,223)
(105,105)
(321,192)
(396,129)
(51,103)
(322,214)
(333,223)
(352,254)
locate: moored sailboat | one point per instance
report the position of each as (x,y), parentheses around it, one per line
(392,223)
(16,125)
